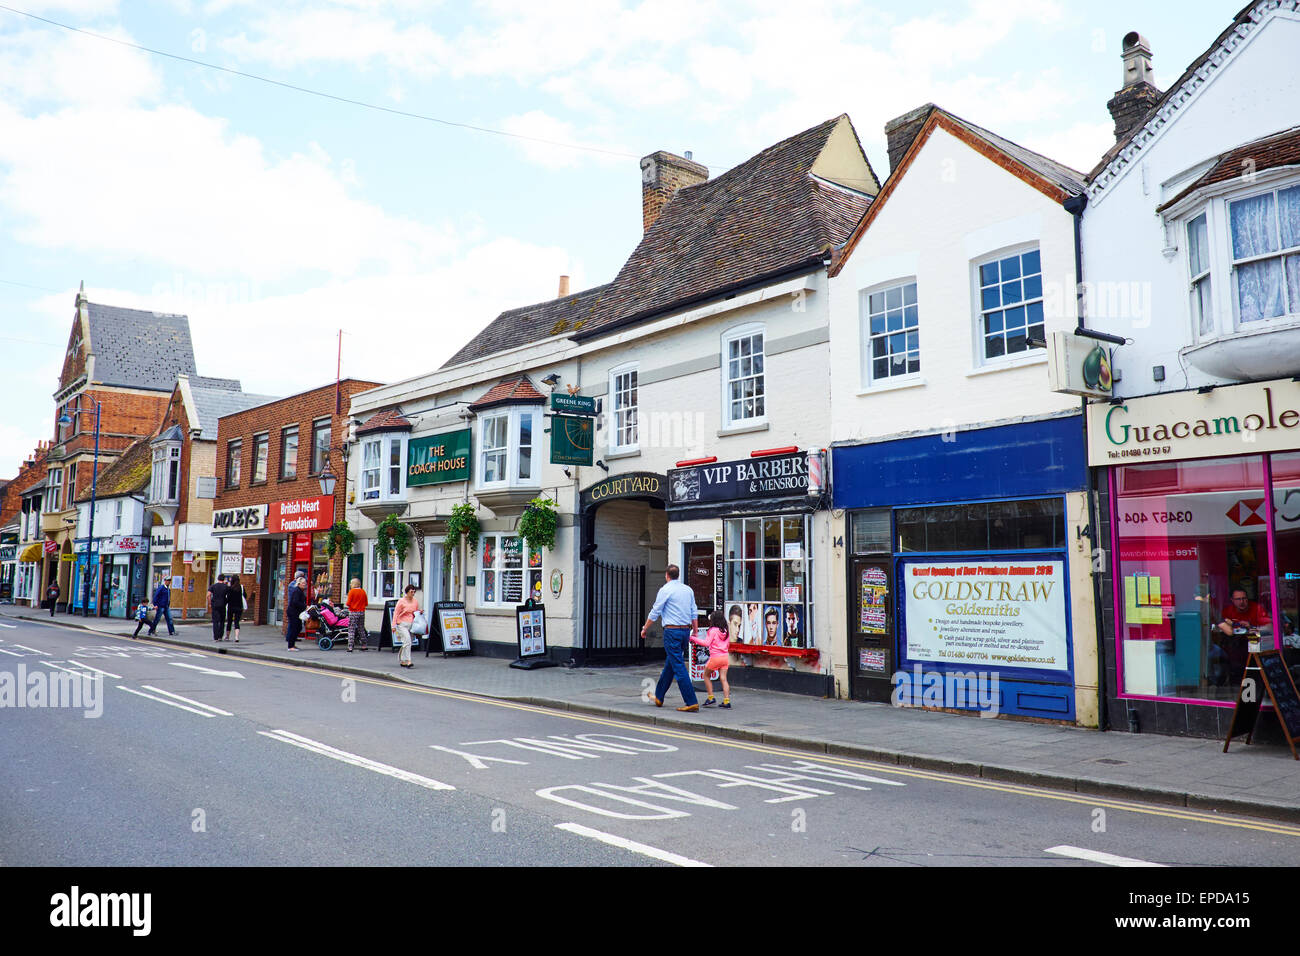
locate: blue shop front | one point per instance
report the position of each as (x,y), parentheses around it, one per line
(969,570)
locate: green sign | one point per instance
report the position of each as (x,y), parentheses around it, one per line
(438,458)
(572,439)
(573,404)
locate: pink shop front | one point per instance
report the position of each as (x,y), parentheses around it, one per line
(1202,530)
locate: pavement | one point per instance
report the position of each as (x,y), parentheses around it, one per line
(1252,780)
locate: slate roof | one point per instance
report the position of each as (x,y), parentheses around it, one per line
(130,472)
(216,397)
(1071,180)
(385,421)
(139,349)
(1268,152)
(766,216)
(516,390)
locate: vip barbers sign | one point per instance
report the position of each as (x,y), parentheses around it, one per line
(772,476)
(237,520)
(1230,420)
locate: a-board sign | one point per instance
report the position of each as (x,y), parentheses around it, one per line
(1269,668)
(530,632)
(453,627)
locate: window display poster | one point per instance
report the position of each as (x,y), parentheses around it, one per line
(452,625)
(872,601)
(772,626)
(792,633)
(872,660)
(1143,602)
(988,612)
(531,624)
(752,632)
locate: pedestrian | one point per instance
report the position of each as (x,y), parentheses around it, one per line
(217,606)
(52,595)
(357,601)
(403,615)
(675,604)
(719,645)
(297,606)
(141,618)
(235,605)
(162,602)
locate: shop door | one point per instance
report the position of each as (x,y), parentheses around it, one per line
(275,584)
(871,629)
(697,560)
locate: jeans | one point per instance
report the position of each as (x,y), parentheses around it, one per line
(163,612)
(675,640)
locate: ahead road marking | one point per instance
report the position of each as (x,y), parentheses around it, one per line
(632,845)
(1096,856)
(159,690)
(208,670)
(325,750)
(164,700)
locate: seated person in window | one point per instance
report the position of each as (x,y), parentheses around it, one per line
(1242,620)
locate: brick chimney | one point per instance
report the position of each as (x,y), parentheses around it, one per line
(1138,94)
(901,130)
(662,174)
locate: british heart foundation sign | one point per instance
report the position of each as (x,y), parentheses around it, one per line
(301,514)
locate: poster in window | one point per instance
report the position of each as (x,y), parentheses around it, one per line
(535,586)
(489,553)
(772,626)
(872,660)
(873,601)
(489,587)
(512,587)
(753,630)
(792,635)
(534,557)
(735,622)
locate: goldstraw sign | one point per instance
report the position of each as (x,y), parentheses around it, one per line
(1230,420)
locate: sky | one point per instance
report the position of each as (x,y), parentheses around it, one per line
(274,218)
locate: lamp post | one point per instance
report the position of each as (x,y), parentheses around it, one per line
(65,419)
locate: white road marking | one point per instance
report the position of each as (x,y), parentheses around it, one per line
(71,671)
(12,627)
(10,653)
(34,650)
(632,845)
(95,669)
(207,670)
(164,700)
(325,750)
(196,703)
(1096,856)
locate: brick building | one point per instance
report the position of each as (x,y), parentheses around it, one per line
(21,549)
(270,513)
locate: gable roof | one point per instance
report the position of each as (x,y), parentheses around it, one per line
(516,390)
(130,472)
(215,397)
(139,349)
(767,216)
(1196,74)
(1267,152)
(1055,180)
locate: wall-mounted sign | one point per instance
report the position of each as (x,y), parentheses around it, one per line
(573,404)
(438,458)
(301,514)
(205,486)
(302,548)
(8,537)
(638,484)
(229,562)
(557,582)
(1230,420)
(250,566)
(773,476)
(162,538)
(237,520)
(1078,365)
(126,544)
(572,440)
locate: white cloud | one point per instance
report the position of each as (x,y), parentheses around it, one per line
(38,66)
(537,125)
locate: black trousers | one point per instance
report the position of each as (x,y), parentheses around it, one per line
(218,622)
(233,616)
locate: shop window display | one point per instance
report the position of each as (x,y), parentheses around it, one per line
(767,575)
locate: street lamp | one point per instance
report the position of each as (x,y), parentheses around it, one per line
(66,419)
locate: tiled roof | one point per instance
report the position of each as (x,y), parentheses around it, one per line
(387,420)
(767,216)
(215,397)
(517,390)
(128,473)
(1269,152)
(1070,180)
(139,349)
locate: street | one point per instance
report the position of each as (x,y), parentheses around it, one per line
(203,759)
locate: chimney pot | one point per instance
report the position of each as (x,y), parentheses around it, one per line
(662,174)
(1138,94)
(564,287)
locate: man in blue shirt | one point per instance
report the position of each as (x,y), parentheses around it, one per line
(675,605)
(162,602)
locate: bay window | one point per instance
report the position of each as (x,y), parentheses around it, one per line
(1265,239)
(507,577)
(55,489)
(165,480)
(506,445)
(382,474)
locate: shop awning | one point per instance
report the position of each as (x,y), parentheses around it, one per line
(31,553)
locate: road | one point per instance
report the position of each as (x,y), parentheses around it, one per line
(204,759)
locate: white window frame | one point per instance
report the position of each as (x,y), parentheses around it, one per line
(382,469)
(379,569)
(117,516)
(729,337)
(1201,284)
(164,484)
(262,441)
(489,545)
(318,426)
(624,419)
(1028,354)
(1291,309)
(513,415)
(56,488)
(868,338)
(234,462)
(289,462)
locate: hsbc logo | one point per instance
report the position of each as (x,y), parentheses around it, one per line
(1247,513)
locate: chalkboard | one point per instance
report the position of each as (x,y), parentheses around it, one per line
(1270,668)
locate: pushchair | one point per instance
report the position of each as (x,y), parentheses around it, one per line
(331,626)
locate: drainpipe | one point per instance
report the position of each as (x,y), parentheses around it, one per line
(1075,206)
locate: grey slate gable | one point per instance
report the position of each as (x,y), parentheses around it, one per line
(212,404)
(139,349)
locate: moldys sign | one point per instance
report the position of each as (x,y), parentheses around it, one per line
(301,514)
(989,614)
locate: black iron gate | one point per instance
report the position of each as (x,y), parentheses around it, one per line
(613,612)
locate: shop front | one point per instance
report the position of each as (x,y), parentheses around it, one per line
(968,571)
(8,565)
(1204,523)
(162,544)
(744,533)
(125,574)
(86,565)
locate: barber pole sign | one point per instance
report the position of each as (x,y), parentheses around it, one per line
(816,473)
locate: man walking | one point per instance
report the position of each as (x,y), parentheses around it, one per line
(217,606)
(162,602)
(675,605)
(52,595)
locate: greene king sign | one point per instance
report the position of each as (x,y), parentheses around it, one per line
(1230,420)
